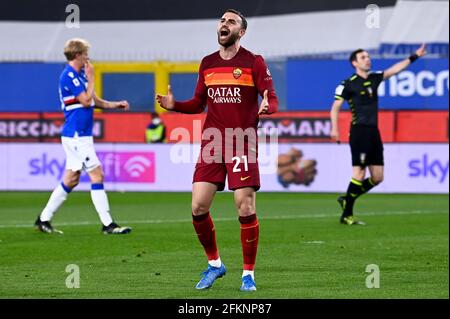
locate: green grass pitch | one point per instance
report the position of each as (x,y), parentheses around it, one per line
(303,252)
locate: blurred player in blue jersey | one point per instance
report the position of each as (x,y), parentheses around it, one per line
(76,91)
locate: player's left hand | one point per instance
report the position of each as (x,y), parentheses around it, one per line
(264,107)
(422,50)
(121,105)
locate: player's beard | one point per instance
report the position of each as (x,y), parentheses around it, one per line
(233,37)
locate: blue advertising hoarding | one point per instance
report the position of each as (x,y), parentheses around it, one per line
(300,84)
(30,87)
(423,85)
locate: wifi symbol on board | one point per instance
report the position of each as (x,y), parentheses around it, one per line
(137,165)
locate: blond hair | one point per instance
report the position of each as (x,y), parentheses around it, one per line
(75,46)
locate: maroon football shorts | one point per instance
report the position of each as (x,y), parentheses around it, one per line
(240,166)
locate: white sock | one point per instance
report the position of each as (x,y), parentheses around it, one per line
(215,263)
(100,200)
(59,195)
(249,272)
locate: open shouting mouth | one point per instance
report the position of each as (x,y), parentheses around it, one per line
(224,33)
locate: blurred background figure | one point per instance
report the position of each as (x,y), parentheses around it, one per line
(156,130)
(293,169)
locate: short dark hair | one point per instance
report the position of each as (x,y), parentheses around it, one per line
(244,21)
(354,54)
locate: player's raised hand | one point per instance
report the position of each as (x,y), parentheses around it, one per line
(422,50)
(166,101)
(121,105)
(264,107)
(89,70)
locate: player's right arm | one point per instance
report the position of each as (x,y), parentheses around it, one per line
(195,105)
(86,97)
(334,115)
(340,95)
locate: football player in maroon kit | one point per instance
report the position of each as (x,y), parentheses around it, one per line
(229,82)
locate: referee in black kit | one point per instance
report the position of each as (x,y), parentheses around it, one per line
(360,90)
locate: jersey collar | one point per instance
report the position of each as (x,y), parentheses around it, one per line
(70,68)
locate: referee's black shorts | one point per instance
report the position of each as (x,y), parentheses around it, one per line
(366,146)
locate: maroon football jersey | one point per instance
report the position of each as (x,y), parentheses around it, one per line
(230,89)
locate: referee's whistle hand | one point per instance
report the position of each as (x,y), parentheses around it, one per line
(335,135)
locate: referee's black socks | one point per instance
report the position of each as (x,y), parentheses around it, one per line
(367,185)
(355,189)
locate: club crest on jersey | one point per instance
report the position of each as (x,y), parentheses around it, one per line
(369,89)
(237,73)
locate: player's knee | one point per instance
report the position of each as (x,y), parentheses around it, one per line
(72,181)
(97,176)
(199,208)
(245,208)
(75,183)
(100,177)
(377,179)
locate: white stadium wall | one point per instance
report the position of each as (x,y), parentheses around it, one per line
(410,168)
(273,36)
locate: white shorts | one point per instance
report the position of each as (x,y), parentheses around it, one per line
(80,153)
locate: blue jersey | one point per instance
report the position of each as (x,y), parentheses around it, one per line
(79,119)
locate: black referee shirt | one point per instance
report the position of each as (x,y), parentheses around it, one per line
(361,94)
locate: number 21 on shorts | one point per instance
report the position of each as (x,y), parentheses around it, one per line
(236,168)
